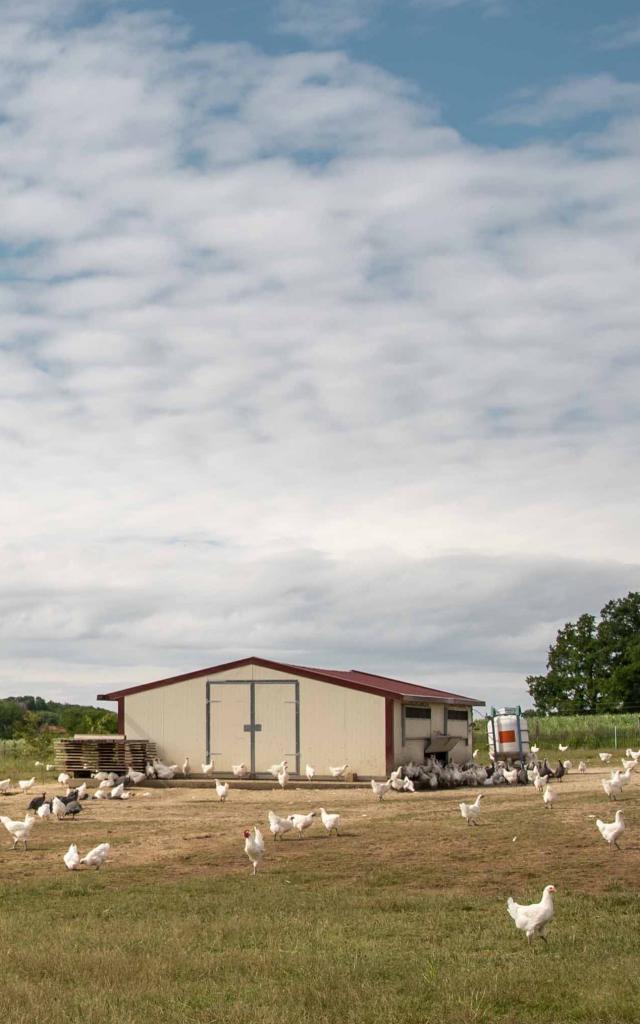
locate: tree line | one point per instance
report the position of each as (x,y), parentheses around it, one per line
(594,664)
(22,717)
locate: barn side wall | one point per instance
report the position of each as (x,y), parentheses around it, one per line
(337,724)
(413,747)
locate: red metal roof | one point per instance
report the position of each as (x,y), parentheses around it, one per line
(383,686)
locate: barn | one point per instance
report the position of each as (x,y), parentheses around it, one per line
(258,712)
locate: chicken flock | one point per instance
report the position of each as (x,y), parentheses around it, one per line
(532,919)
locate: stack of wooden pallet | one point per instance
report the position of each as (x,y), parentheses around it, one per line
(86,754)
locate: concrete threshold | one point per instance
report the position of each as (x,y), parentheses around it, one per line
(200,783)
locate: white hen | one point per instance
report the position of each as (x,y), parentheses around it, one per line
(222,789)
(582,767)
(535,750)
(539,783)
(561,748)
(44,811)
(605,758)
(635,754)
(240,771)
(64,778)
(330,821)
(309,771)
(19,830)
(534,918)
(254,846)
(511,775)
(26,784)
(380,788)
(97,857)
(302,821)
(58,808)
(278,826)
(207,768)
(72,858)
(408,786)
(275,769)
(283,777)
(612,787)
(611,831)
(4,785)
(335,773)
(548,796)
(186,768)
(471,812)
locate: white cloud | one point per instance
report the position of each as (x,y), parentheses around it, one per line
(619,35)
(291,368)
(575,98)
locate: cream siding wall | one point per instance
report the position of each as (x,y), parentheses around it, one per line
(337,724)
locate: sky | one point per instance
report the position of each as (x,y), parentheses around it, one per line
(318,336)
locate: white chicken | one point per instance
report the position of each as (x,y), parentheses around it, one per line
(628,764)
(149,771)
(535,750)
(186,768)
(475,754)
(330,821)
(44,811)
(4,785)
(582,767)
(310,772)
(611,831)
(408,786)
(336,773)
(635,754)
(567,765)
(534,918)
(283,778)
(511,776)
(562,748)
(117,792)
(612,787)
(58,808)
(72,858)
(278,826)
(539,783)
(101,776)
(106,784)
(207,768)
(605,758)
(471,812)
(240,771)
(275,769)
(254,846)
(548,796)
(222,788)
(19,830)
(49,767)
(380,788)
(625,776)
(135,777)
(64,778)
(302,821)
(81,793)
(26,784)
(97,857)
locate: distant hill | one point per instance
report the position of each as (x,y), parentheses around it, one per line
(17,712)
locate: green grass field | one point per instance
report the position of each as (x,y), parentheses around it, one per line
(401,920)
(581,732)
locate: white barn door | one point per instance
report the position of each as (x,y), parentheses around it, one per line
(276,712)
(256,723)
(228,712)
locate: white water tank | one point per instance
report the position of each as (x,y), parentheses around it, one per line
(508,733)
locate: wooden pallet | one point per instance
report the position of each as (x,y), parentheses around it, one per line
(81,757)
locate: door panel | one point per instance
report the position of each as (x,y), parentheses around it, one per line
(275,712)
(230,711)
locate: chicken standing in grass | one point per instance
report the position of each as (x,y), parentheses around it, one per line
(612,787)
(254,846)
(471,812)
(534,918)
(72,858)
(330,821)
(380,788)
(302,821)
(278,826)
(561,748)
(611,831)
(19,830)
(535,750)
(222,788)
(97,857)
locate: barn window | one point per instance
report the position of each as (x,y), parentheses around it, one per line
(417,712)
(457,716)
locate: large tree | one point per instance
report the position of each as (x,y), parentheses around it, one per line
(593,666)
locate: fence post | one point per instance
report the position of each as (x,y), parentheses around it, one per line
(615,736)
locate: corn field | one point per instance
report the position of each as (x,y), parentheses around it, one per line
(589,732)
